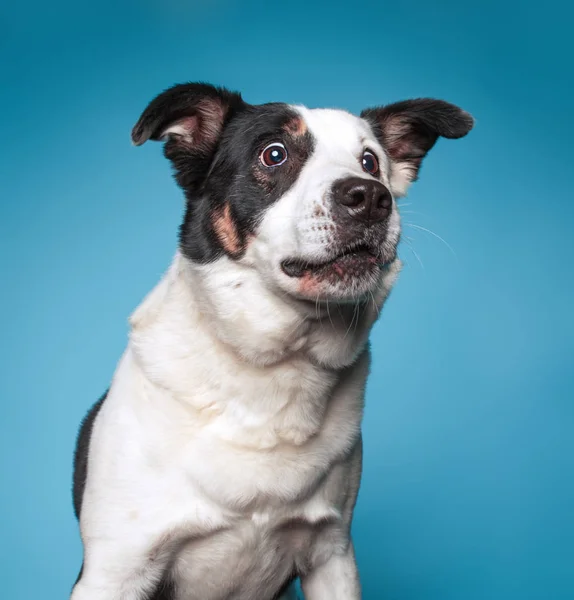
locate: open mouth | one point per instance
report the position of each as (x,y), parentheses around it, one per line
(353,261)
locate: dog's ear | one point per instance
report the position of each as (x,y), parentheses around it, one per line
(190,113)
(408,130)
(189,118)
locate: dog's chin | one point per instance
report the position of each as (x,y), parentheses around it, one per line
(346,277)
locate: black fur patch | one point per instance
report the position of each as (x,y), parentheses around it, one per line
(215,152)
(81,460)
(238,184)
(81,455)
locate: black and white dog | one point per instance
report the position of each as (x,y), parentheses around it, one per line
(225,459)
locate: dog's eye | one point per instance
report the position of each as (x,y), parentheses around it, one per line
(370,162)
(274,155)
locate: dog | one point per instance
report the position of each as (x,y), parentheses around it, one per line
(224,461)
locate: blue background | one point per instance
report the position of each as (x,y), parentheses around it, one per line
(468,489)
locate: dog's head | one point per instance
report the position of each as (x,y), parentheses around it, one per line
(305,198)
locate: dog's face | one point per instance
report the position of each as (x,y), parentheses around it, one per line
(306,198)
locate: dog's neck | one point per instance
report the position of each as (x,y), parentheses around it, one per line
(233,306)
(203,319)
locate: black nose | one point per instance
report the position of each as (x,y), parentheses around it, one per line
(363,199)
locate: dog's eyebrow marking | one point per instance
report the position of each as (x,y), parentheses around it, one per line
(226,231)
(296,126)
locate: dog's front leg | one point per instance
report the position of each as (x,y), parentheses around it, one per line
(118,570)
(337,579)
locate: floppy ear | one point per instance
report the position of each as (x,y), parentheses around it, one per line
(193,112)
(409,129)
(189,118)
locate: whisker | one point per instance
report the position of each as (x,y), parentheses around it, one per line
(412,212)
(357,321)
(375,304)
(433,234)
(329,315)
(415,254)
(352,321)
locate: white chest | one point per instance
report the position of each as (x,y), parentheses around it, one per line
(267,442)
(260,549)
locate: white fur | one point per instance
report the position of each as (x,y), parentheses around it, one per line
(234,412)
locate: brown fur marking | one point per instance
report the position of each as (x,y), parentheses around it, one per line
(296,126)
(226,232)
